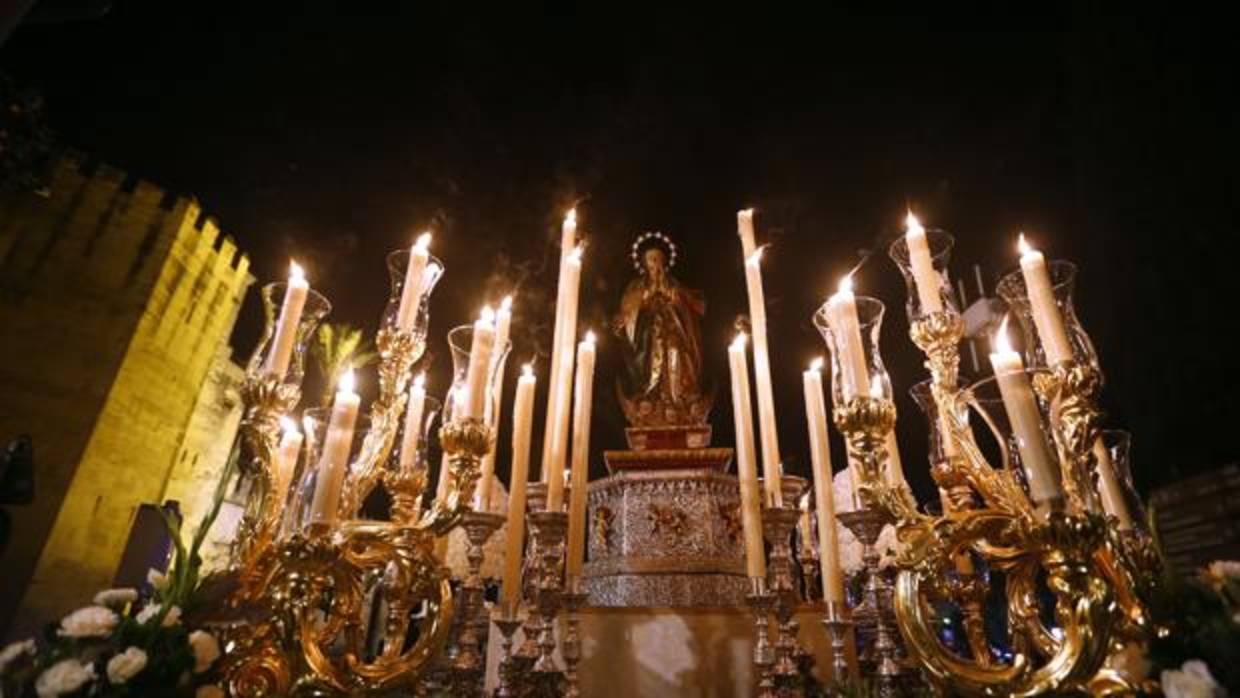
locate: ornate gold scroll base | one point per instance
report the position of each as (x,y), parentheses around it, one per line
(312,592)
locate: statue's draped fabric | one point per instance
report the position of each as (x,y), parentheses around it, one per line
(660,322)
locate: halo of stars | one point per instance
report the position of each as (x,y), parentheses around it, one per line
(635,249)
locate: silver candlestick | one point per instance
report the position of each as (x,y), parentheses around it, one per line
(536,500)
(777,525)
(469,664)
(573,598)
(548,528)
(509,671)
(866,525)
(838,625)
(761,600)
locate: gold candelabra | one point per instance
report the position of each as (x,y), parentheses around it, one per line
(1064,548)
(311,600)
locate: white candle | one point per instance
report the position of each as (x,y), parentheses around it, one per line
(286,461)
(503,325)
(555,446)
(747,472)
(334,460)
(762,377)
(285,335)
(842,316)
(1112,495)
(476,378)
(924,275)
(581,455)
(820,456)
(560,336)
(1046,317)
(1021,406)
(744,228)
(522,424)
(503,319)
(411,293)
(413,424)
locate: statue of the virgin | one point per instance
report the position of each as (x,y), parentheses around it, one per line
(659,323)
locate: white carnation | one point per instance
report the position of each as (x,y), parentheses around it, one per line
(850,551)
(170,619)
(115,597)
(91,621)
(209,691)
(126,665)
(63,677)
(206,650)
(842,491)
(15,650)
(1193,680)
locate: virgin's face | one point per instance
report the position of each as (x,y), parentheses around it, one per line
(654,262)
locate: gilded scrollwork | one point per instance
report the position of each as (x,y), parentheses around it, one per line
(1098,576)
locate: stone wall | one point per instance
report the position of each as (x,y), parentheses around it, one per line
(115,299)
(204,454)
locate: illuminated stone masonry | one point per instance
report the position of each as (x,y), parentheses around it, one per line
(117,298)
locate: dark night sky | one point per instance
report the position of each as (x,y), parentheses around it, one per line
(1110,139)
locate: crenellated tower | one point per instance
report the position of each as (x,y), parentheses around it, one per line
(116,300)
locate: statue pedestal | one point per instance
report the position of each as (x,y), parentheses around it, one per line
(665,531)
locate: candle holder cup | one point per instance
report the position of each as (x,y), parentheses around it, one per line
(460,343)
(1012,289)
(1118,445)
(940,243)
(397,266)
(870,319)
(313,311)
(267,398)
(302,516)
(1001,444)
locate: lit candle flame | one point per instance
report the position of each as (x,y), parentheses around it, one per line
(423,242)
(816,364)
(1023,246)
(570,218)
(527,371)
(574,257)
(295,272)
(347,382)
(740,340)
(419,381)
(913,225)
(288,425)
(1002,344)
(589,336)
(488,315)
(506,304)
